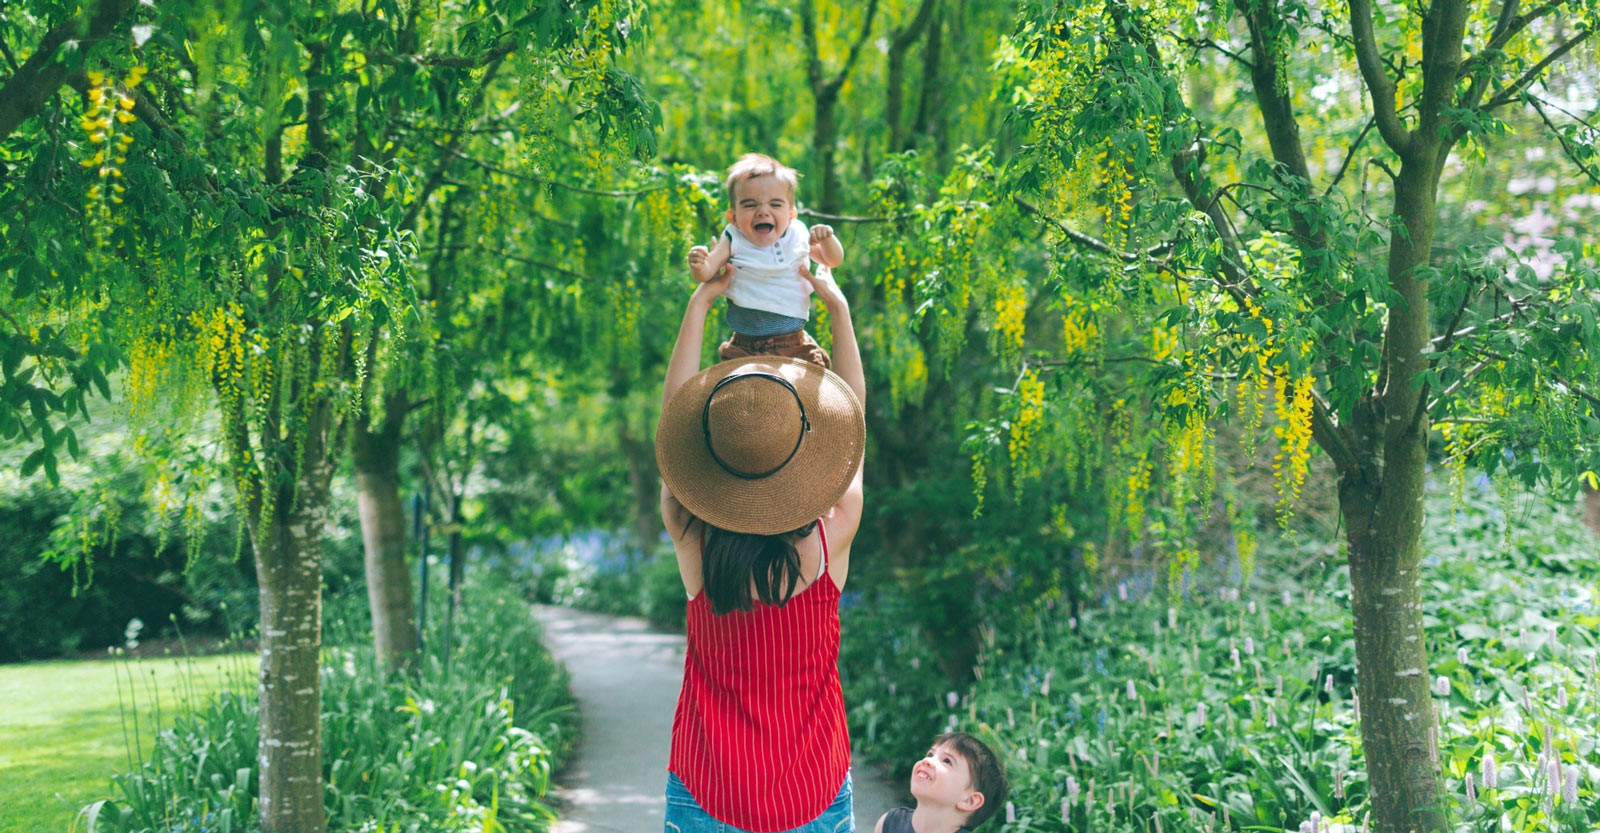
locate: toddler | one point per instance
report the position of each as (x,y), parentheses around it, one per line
(958,785)
(766,246)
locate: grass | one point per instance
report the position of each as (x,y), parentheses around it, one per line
(62,733)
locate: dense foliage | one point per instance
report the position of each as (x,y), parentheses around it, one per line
(468,746)
(1114,266)
(1235,703)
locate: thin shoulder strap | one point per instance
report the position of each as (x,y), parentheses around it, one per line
(822,529)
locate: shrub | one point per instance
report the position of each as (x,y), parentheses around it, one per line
(466,746)
(1244,712)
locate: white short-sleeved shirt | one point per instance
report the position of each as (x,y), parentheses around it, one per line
(767,277)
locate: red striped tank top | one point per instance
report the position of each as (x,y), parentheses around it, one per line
(759,737)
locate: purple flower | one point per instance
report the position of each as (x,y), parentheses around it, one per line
(1491,778)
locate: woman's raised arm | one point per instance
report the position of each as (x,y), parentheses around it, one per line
(846,354)
(685,361)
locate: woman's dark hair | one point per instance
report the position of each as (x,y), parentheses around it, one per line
(732,561)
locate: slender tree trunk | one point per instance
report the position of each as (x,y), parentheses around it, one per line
(1382,502)
(1591,509)
(824,141)
(376,455)
(894,94)
(289,570)
(645,487)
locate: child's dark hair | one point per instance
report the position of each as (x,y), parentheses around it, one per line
(988,774)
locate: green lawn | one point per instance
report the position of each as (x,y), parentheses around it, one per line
(62,731)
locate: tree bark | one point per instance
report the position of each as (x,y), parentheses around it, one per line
(894,94)
(289,570)
(646,488)
(376,456)
(825,95)
(1591,509)
(1382,503)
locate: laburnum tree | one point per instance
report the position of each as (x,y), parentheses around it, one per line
(226,202)
(1270,177)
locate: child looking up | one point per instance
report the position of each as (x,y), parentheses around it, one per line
(958,785)
(766,246)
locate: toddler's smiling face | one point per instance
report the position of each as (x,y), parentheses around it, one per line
(762,209)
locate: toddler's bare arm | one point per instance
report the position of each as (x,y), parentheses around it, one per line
(825,248)
(704,264)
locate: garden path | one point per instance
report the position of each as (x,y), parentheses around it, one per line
(626,676)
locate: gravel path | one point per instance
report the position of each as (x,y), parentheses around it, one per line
(626,677)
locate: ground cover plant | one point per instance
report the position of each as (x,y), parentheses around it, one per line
(464,744)
(1234,708)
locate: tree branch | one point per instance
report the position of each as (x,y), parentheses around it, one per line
(42,74)
(1350,154)
(1379,84)
(1085,241)
(489,166)
(1207,43)
(436,59)
(1508,93)
(1505,29)
(1566,147)
(855,48)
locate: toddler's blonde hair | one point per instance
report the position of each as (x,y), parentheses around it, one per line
(752,165)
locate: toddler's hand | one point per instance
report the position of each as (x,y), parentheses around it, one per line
(697,263)
(821,232)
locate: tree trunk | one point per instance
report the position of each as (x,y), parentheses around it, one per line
(1398,722)
(376,455)
(1382,503)
(823,143)
(289,570)
(894,101)
(645,486)
(1591,509)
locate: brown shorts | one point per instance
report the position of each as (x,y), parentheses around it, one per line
(796,345)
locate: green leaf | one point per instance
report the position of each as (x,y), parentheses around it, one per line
(32,462)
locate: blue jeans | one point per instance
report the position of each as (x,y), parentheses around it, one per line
(684,814)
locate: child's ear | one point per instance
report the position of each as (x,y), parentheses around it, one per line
(729,215)
(971,803)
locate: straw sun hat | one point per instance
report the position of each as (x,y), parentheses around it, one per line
(761,444)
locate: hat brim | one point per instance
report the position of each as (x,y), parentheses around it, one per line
(797,494)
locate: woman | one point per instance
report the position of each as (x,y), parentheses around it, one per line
(761,469)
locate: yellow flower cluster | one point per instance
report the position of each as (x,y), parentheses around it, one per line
(1293,430)
(150,353)
(1117,186)
(104,124)
(1457,439)
(908,367)
(1029,398)
(1254,383)
(1186,558)
(980,478)
(1080,332)
(1190,450)
(1010,308)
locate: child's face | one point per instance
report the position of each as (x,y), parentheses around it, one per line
(762,209)
(944,777)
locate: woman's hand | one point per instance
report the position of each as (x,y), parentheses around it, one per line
(821,282)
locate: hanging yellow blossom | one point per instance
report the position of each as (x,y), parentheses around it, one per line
(1294,441)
